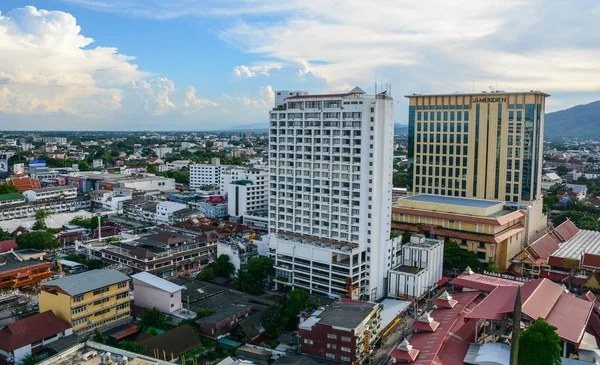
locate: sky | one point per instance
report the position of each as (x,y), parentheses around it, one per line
(197,65)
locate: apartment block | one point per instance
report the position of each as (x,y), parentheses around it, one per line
(206,174)
(246,189)
(88,301)
(330,190)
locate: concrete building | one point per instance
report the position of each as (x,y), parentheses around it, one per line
(88,301)
(420,271)
(330,167)
(339,331)
(150,291)
(162,151)
(238,249)
(246,189)
(166,210)
(549,180)
(15,206)
(203,175)
(51,193)
(495,230)
(482,145)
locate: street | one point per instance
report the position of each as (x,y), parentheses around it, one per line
(382,354)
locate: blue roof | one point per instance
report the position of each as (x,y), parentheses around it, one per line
(454,200)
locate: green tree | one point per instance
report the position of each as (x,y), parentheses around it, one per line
(153,318)
(133,347)
(540,345)
(7,188)
(5,236)
(492,266)
(400,180)
(208,273)
(589,223)
(406,237)
(297,301)
(39,240)
(562,170)
(394,233)
(260,268)
(273,323)
(243,281)
(98,336)
(31,359)
(223,267)
(457,258)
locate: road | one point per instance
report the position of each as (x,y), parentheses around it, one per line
(382,354)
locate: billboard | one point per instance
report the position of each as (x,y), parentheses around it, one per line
(37,163)
(3,163)
(19,169)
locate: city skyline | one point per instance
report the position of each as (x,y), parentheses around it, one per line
(92,65)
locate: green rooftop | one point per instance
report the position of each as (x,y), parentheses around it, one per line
(11,196)
(242,182)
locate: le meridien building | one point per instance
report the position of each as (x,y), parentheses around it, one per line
(485,145)
(330,170)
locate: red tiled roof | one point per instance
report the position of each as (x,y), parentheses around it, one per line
(31,329)
(8,245)
(540,298)
(570,316)
(443,346)
(482,282)
(589,296)
(591,260)
(566,230)
(24,183)
(545,246)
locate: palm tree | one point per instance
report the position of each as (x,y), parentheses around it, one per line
(243,281)
(30,359)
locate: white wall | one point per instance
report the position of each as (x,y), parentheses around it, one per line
(149,297)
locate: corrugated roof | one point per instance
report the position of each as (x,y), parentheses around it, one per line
(156,282)
(11,196)
(87,281)
(453,200)
(482,282)
(586,241)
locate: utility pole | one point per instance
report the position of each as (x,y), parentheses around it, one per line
(516,332)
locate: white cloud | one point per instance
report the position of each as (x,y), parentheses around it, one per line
(45,67)
(154,95)
(193,102)
(248,72)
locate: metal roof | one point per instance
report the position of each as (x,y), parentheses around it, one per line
(156,282)
(454,200)
(87,281)
(584,242)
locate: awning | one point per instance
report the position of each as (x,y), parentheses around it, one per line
(443,281)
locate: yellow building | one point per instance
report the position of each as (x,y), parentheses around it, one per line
(495,230)
(485,145)
(90,300)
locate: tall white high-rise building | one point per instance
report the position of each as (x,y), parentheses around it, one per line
(246,190)
(330,193)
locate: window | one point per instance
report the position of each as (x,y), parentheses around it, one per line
(123,285)
(81,309)
(331,356)
(332,336)
(345,338)
(331,346)
(308,341)
(100,291)
(346,349)
(122,295)
(78,299)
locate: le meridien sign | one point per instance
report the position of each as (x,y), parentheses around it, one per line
(496,99)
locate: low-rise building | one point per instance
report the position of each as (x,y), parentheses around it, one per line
(51,193)
(29,335)
(51,200)
(343,331)
(246,190)
(238,249)
(206,174)
(163,254)
(494,230)
(549,180)
(150,291)
(420,269)
(88,301)
(17,273)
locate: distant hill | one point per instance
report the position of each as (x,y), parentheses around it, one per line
(400,129)
(251,127)
(579,121)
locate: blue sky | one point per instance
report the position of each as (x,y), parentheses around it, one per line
(205,65)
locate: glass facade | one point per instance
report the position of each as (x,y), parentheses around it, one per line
(528,155)
(411,144)
(498,151)
(476,160)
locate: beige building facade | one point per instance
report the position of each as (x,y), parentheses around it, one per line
(484,145)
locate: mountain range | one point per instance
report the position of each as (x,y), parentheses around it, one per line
(579,121)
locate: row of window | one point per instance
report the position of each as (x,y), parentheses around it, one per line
(438,191)
(445,107)
(442,138)
(443,116)
(444,149)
